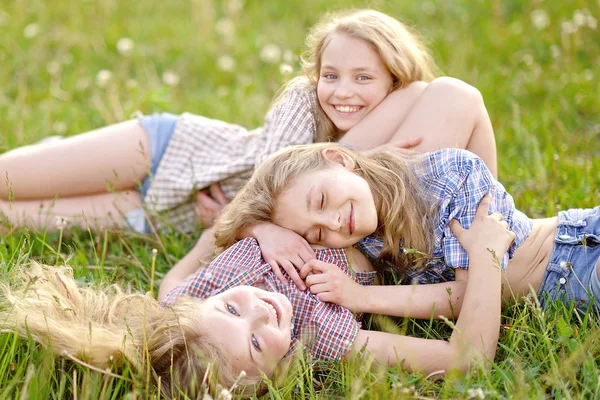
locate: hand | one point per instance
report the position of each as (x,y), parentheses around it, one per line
(331,284)
(487,232)
(209,204)
(400,146)
(283,248)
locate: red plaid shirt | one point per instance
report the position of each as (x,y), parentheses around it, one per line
(327,330)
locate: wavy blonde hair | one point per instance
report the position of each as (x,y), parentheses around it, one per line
(400,48)
(404,217)
(102,325)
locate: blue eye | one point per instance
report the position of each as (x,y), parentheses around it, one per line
(329,76)
(363,78)
(255,343)
(232,310)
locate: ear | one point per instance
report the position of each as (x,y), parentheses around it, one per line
(340,158)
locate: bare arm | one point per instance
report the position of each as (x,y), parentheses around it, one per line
(475,334)
(201,253)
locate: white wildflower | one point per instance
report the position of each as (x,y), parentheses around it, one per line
(125,46)
(170,78)
(154,252)
(528,59)
(244,80)
(226,63)
(428,8)
(225,395)
(103,78)
(53,67)
(540,19)
(289,56)
(285,69)
(592,23)
(579,18)
(476,393)
(588,75)
(61,222)
(59,127)
(225,27)
(31,30)
(555,51)
(234,6)
(270,53)
(568,28)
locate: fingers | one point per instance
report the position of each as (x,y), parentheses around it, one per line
(314,266)
(219,194)
(484,206)
(277,271)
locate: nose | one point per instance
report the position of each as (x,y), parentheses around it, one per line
(261,314)
(331,221)
(342,91)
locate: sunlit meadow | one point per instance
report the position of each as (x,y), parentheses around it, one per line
(74,65)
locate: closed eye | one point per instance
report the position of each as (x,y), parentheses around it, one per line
(320,235)
(322,200)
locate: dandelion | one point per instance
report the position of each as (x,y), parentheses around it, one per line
(540,19)
(226,63)
(67,58)
(592,23)
(555,51)
(579,18)
(31,30)
(53,67)
(61,222)
(125,46)
(103,78)
(170,78)
(225,27)
(285,69)
(225,395)
(528,59)
(568,28)
(270,53)
(588,75)
(476,393)
(59,127)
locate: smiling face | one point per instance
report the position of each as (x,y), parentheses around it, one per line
(252,325)
(352,81)
(332,207)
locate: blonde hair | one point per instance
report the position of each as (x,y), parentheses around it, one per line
(102,325)
(401,50)
(404,218)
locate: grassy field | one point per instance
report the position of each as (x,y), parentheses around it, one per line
(74,65)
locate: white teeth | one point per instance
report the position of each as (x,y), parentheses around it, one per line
(347,109)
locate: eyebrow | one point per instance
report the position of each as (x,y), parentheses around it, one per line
(222,311)
(358,69)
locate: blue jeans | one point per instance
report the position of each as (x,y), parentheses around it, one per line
(160,128)
(571,274)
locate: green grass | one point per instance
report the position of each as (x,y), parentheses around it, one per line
(540,85)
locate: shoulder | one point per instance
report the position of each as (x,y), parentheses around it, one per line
(442,161)
(298,91)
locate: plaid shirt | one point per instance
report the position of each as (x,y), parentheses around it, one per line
(203,151)
(456,180)
(326,329)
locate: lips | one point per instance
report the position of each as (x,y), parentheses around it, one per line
(276,307)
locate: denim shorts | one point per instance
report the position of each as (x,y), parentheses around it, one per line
(160,128)
(571,275)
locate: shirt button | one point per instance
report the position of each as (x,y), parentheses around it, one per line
(562,281)
(563,264)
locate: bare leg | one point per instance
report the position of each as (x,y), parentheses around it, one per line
(115,157)
(451,113)
(104,210)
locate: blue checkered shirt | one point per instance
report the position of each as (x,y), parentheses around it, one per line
(325,329)
(456,180)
